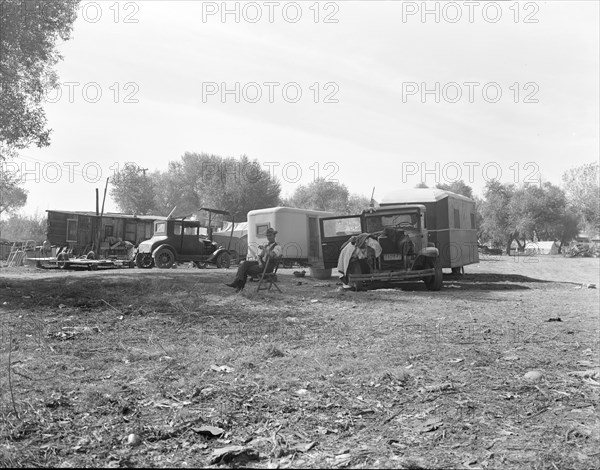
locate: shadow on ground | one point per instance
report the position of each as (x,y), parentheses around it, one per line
(465,282)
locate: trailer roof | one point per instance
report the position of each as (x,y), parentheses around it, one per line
(110,215)
(294,210)
(419,195)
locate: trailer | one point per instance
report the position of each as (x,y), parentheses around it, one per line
(450,220)
(297,233)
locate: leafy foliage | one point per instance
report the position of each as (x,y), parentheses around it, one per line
(29,32)
(582,186)
(495,225)
(524,213)
(23,228)
(323,195)
(458,187)
(195,181)
(12,196)
(133,191)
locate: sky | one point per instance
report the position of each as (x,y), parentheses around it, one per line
(377,95)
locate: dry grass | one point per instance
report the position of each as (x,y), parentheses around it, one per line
(395,377)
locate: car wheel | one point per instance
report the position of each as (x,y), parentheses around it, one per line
(164,258)
(143,261)
(223,260)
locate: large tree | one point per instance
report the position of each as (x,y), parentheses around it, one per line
(29,32)
(133,190)
(582,187)
(202,180)
(495,223)
(525,213)
(323,195)
(541,212)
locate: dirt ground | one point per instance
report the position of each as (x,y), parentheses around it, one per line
(156,368)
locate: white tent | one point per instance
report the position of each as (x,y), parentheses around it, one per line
(238,243)
(541,248)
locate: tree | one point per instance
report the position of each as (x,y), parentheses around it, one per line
(203,180)
(29,31)
(323,195)
(23,228)
(495,225)
(133,191)
(582,187)
(458,187)
(12,197)
(541,212)
(521,214)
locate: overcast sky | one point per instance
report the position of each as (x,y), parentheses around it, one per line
(369,93)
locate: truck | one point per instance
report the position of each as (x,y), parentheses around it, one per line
(177,240)
(400,232)
(450,220)
(298,233)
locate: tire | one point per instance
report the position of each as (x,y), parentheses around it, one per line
(61,260)
(164,258)
(144,261)
(223,260)
(434,283)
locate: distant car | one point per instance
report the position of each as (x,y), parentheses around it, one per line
(179,241)
(486,250)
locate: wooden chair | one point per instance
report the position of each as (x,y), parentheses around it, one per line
(269,278)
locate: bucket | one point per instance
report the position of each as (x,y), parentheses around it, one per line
(319,273)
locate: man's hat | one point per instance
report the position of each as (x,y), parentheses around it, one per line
(271,231)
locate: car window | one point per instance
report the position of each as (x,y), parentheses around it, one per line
(340,227)
(160,227)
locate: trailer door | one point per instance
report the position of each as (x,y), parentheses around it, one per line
(335,231)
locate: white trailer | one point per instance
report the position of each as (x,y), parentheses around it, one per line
(297,233)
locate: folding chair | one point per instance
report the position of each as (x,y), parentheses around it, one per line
(269,278)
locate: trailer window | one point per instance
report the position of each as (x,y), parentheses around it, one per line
(456,218)
(473,221)
(108,231)
(71,230)
(130,231)
(261,230)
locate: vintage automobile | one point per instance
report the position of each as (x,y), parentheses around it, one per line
(179,241)
(401,234)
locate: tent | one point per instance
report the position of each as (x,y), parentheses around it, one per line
(239,241)
(541,248)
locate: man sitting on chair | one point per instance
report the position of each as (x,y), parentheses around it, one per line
(272,251)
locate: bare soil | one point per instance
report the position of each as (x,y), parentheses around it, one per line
(396,377)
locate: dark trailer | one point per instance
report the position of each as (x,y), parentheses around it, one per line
(450,220)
